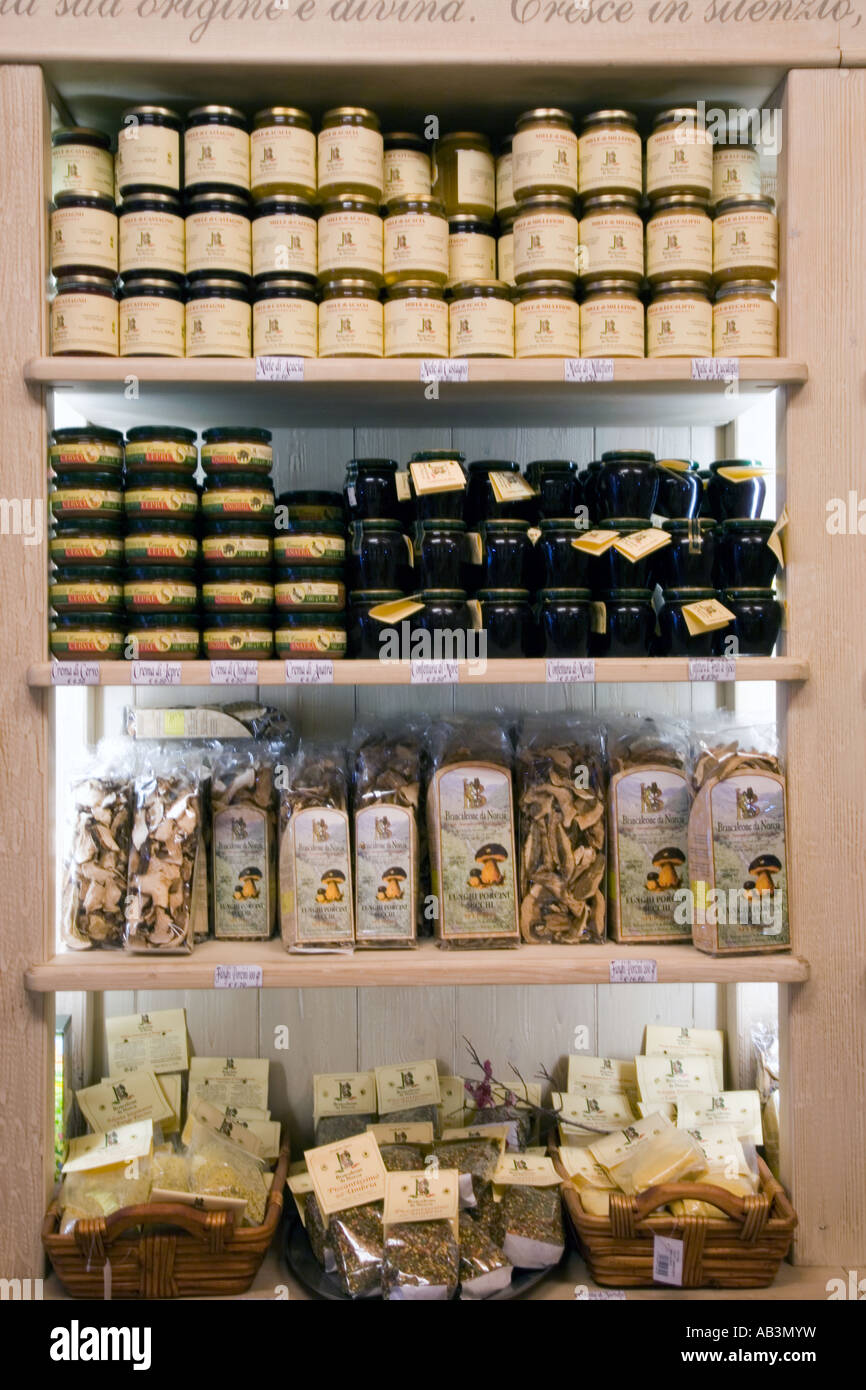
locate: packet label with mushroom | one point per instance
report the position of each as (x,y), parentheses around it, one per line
(472,847)
(743,859)
(242,851)
(318,879)
(649,812)
(385,869)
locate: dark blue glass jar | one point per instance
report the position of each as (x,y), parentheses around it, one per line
(379,556)
(756,624)
(680,489)
(626,484)
(565,619)
(562,566)
(727,498)
(506,552)
(441,554)
(674,638)
(611,570)
(558,487)
(744,559)
(439,506)
(481,501)
(364,634)
(629,624)
(688,562)
(371,489)
(507,619)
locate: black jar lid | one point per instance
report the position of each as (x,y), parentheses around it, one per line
(378,523)
(311,497)
(497,595)
(155,574)
(406,140)
(565,595)
(612,595)
(688,595)
(80,135)
(271,286)
(441,595)
(238,573)
(440,524)
(151,286)
(74,477)
(85,434)
(494,466)
(299,617)
(232,479)
(289,203)
(104,620)
(71,199)
(682,525)
(157,525)
(438,456)
(307,526)
(374,465)
(241,434)
(151,200)
(216,115)
(154,478)
(553,465)
(764,524)
(509,524)
(153,115)
(374,596)
(561,523)
(220,288)
(625,523)
(168,619)
(319,573)
(628,456)
(738,594)
(82,574)
(69,527)
(736,463)
(219,200)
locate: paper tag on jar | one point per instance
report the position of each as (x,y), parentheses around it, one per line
(740,474)
(474,609)
(309,672)
(588,368)
(598,617)
(641,543)
(437,475)
(234,673)
(595,542)
(474,548)
(668,1260)
(706,616)
(404,487)
(279,369)
(533,535)
(155,673)
(75,673)
(777,540)
(568,670)
(510,487)
(395,610)
(675,465)
(715,369)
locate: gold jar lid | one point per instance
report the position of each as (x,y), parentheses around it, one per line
(473,219)
(267,285)
(760,287)
(689,202)
(559,202)
(283,115)
(199,202)
(352,202)
(671,287)
(481,289)
(364,289)
(612,116)
(610,202)
(96,284)
(456,137)
(537,114)
(431,206)
(200,115)
(678,115)
(164,113)
(341,115)
(157,284)
(549,285)
(167,202)
(612,286)
(416,289)
(405,140)
(739,201)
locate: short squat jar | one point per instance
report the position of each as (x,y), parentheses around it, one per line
(162,637)
(84,317)
(79,449)
(351,320)
(416,242)
(310,636)
(627,622)
(82,544)
(79,636)
(744,558)
(350,239)
(83,235)
(160,589)
(236,449)
(441,554)
(736,488)
(379,556)
(627,484)
(151,317)
(610,154)
(563,565)
(471,248)
(310,543)
(285,317)
(160,448)
(152,236)
(237,542)
(756,624)
(216,149)
(407,172)
(416,320)
(679,320)
(464,174)
(161,496)
(612,320)
(745,320)
(218,236)
(160,543)
(507,621)
(481,320)
(231,635)
(218,319)
(679,154)
(81,162)
(235,496)
(85,496)
(284,238)
(679,239)
(546,319)
(611,239)
(85,590)
(546,238)
(148,151)
(237,588)
(745,240)
(689,561)
(283,153)
(564,619)
(545,153)
(350,153)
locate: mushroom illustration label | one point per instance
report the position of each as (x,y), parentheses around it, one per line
(471,817)
(331,891)
(242,860)
(488,857)
(740,855)
(386,841)
(649,817)
(316,875)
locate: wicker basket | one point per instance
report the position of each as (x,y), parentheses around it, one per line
(743,1253)
(163,1249)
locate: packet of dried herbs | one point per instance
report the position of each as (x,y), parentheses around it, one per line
(167,883)
(475,1160)
(315,872)
(386,805)
(534,1236)
(470,819)
(421,1250)
(349,1182)
(738,841)
(93,892)
(484,1270)
(344,1104)
(649,801)
(409,1092)
(512,1107)
(560,789)
(300,1185)
(243,841)
(221,1168)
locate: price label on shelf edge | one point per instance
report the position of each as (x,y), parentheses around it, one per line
(279,369)
(634,972)
(712,668)
(444,369)
(75,673)
(155,673)
(588,369)
(568,670)
(237,977)
(715,369)
(234,673)
(309,673)
(434,672)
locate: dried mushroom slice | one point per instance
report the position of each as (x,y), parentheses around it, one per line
(95,874)
(166,836)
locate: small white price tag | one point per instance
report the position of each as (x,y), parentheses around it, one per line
(237,977)
(279,369)
(75,673)
(634,972)
(444,369)
(434,672)
(585,1295)
(565,670)
(712,668)
(589,369)
(668,1260)
(156,673)
(715,369)
(309,673)
(234,673)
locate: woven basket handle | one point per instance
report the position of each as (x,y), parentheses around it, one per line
(212,1228)
(751,1213)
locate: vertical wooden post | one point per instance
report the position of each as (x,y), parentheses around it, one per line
(26,844)
(823,304)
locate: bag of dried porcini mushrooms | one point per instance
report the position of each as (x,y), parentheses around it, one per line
(388,762)
(315,869)
(243,820)
(166,902)
(96,864)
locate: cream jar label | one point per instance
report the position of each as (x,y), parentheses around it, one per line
(681,157)
(610,159)
(746,239)
(148,156)
(745,326)
(84,236)
(736,170)
(217,241)
(218,328)
(416,328)
(677,242)
(481,327)
(612,244)
(471,256)
(152,241)
(285,328)
(350,241)
(418,243)
(283,154)
(505,258)
(612,326)
(350,328)
(82,169)
(217,154)
(286,243)
(504,182)
(545,243)
(407,174)
(546,327)
(151,326)
(350,155)
(680,327)
(84,323)
(476,179)
(545,157)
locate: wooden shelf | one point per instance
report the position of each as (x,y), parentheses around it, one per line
(528,965)
(608,671)
(361,391)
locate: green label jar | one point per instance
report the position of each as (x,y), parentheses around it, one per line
(304,544)
(311,588)
(85,544)
(237,634)
(162,637)
(151,448)
(237,450)
(241,496)
(311,636)
(94,589)
(168,589)
(85,450)
(160,543)
(79,636)
(157,494)
(236,590)
(236,543)
(81,495)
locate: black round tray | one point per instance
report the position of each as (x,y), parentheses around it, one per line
(306,1268)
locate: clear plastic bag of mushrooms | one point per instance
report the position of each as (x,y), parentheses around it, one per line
(388,766)
(93,894)
(315,869)
(649,803)
(166,902)
(243,841)
(560,794)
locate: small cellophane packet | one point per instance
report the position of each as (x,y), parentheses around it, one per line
(475,1161)
(167,883)
(664,1154)
(409,1092)
(300,1185)
(344,1104)
(484,1270)
(170,1173)
(221,1168)
(94,884)
(421,1250)
(386,804)
(589,1111)
(230,1081)
(402,1158)
(349,1182)
(531,1211)
(104,1172)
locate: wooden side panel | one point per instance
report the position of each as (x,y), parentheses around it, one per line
(823,298)
(26,862)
